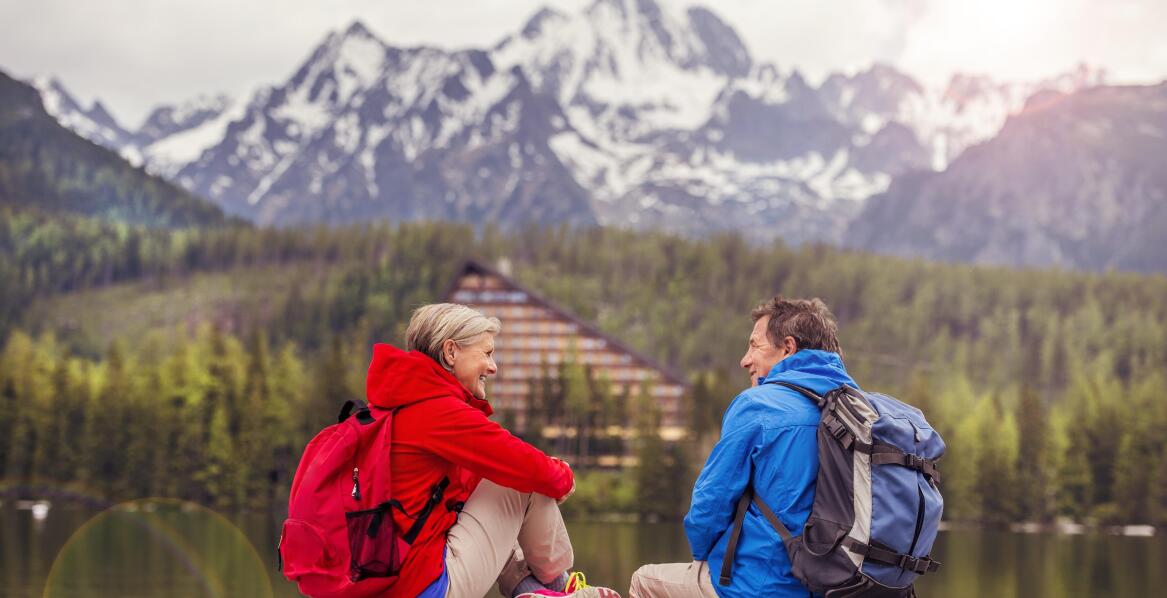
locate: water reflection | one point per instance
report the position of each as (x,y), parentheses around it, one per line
(1021,565)
(119,556)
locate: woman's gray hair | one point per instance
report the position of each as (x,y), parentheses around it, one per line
(434,324)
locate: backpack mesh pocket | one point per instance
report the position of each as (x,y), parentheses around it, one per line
(377,549)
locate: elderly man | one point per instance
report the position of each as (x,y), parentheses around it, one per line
(768,440)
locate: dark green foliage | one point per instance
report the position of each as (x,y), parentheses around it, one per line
(661,472)
(1033,466)
(47,167)
(1047,386)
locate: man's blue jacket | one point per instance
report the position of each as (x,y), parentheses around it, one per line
(769,430)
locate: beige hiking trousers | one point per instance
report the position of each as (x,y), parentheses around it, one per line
(672,580)
(497,528)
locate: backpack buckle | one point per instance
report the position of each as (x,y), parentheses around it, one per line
(913,564)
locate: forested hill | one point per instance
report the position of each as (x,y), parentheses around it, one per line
(46,167)
(144,376)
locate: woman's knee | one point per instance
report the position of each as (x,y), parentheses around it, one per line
(498,500)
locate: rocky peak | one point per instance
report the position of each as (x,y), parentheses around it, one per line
(94,123)
(539,22)
(727,53)
(357,29)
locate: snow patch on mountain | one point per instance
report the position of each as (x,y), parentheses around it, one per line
(169,154)
(629,112)
(93,123)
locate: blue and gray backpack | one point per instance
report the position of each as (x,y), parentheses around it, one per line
(877,506)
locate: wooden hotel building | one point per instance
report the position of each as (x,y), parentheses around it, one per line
(537,336)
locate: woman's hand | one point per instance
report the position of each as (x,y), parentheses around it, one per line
(569,492)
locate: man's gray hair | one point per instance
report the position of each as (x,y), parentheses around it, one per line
(432,325)
(809,321)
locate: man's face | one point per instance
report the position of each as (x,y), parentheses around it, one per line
(761,355)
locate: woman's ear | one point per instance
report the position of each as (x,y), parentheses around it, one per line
(449,351)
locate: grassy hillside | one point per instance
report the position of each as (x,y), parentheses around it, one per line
(237,300)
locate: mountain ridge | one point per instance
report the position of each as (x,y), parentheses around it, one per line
(48,168)
(663,120)
(1072,181)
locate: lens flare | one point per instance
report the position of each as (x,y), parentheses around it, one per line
(187,549)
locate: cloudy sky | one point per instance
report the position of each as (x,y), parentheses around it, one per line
(135,54)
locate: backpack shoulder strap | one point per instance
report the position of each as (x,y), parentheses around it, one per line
(743,504)
(806,392)
(435,497)
(360,408)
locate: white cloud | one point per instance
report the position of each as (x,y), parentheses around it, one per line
(135,54)
(818,37)
(1030,39)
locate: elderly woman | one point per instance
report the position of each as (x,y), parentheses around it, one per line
(500,517)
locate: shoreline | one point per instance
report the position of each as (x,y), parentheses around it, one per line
(1061,527)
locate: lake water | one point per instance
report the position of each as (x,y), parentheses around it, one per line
(177,550)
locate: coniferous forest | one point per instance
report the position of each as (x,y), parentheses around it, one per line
(196,363)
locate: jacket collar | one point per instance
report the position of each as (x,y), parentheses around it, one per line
(820,371)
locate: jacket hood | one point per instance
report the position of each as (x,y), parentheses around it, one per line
(820,371)
(397,378)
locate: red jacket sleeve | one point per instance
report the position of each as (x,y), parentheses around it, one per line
(465,437)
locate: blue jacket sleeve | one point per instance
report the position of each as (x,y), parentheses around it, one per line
(722,480)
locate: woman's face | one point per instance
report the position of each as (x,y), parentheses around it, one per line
(472,362)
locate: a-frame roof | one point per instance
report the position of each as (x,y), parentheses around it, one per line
(474,267)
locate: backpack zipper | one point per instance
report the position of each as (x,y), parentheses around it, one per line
(919,518)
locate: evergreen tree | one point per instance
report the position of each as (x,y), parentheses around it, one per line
(219,475)
(1033,464)
(578,401)
(655,492)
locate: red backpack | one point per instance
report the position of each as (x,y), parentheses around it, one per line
(339,539)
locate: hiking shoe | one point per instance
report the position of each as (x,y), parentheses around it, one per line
(577,587)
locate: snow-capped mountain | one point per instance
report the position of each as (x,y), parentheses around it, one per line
(171,137)
(93,123)
(629,112)
(166,121)
(1074,180)
(174,136)
(967,111)
(364,130)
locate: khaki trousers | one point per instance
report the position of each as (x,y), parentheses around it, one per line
(505,535)
(672,580)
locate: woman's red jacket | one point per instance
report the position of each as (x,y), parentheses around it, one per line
(441,429)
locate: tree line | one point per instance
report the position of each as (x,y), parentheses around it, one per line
(1046,385)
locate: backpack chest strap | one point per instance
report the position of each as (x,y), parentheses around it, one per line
(881,452)
(919,565)
(886,454)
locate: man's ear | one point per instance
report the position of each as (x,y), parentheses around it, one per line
(790,345)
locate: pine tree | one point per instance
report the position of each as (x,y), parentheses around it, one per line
(578,402)
(219,473)
(654,489)
(1033,464)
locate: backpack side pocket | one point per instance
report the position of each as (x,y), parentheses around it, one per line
(377,549)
